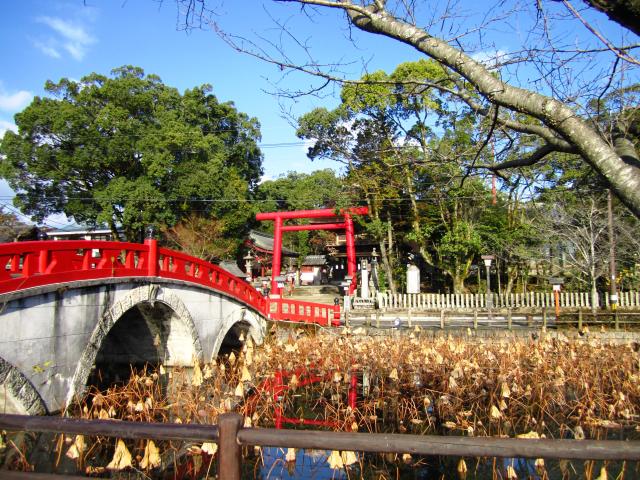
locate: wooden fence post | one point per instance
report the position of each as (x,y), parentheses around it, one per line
(442,319)
(230,451)
(579,319)
(475,319)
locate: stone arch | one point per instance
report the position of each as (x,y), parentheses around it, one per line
(182,332)
(240,321)
(17,393)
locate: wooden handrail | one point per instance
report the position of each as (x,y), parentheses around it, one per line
(230,436)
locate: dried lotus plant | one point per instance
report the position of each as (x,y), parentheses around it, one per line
(451,385)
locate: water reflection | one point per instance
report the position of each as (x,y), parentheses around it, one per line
(309,464)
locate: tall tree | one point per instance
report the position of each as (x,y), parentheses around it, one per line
(580,230)
(405,147)
(129,151)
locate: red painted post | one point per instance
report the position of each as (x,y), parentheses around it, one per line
(152,257)
(278,389)
(351,252)
(277,254)
(353,390)
(335,321)
(43,260)
(27,264)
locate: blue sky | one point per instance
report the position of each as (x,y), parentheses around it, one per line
(50,40)
(44,39)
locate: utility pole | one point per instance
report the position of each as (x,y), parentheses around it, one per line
(613,288)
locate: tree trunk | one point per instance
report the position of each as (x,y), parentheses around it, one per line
(512,277)
(386,263)
(594,296)
(384,252)
(458,282)
(114,231)
(623,12)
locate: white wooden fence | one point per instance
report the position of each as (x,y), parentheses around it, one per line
(461,301)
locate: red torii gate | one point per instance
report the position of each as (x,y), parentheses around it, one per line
(278,219)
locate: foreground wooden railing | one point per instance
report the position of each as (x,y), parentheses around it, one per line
(531,300)
(231,437)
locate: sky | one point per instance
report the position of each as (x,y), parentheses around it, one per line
(49,40)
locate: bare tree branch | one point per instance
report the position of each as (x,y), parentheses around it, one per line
(617,51)
(532,159)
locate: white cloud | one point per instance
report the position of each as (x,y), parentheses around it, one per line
(4,126)
(491,58)
(266,178)
(72,38)
(14,102)
(47,48)
(308,143)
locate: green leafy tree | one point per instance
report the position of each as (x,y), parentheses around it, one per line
(406,147)
(129,151)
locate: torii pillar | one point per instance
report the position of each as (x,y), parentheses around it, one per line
(278,219)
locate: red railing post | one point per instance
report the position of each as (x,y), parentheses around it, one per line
(43,260)
(152,256)
(336,315)
(353,390)
(27,264)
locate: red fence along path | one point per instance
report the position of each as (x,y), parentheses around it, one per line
(41,263)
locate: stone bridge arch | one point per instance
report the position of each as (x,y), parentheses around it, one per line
(52,335)
(18,395)
(241,323)
(171,330)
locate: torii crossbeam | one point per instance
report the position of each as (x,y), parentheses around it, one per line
(278,219)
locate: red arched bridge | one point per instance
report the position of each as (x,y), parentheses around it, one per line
(70,307)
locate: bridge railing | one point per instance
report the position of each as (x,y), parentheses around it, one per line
(25,265)
(35,264)
(303,312)
(179,266)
